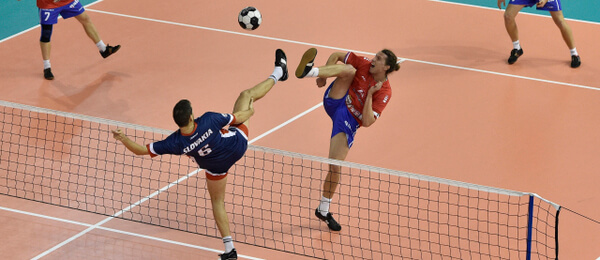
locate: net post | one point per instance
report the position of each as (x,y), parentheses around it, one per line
(556,233)
(529,226)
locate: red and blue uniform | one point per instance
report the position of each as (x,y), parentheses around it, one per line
(346,113)
(214,148)
(50,9)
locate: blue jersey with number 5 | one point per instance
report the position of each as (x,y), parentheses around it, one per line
(214,148)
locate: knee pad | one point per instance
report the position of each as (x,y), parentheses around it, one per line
(46,33)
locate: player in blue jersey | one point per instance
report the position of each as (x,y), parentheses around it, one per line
(213,145)
(555,9)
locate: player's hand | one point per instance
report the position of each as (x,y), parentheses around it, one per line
(118,134)
(541,3)
(376,88)
(321,82)
(500,4)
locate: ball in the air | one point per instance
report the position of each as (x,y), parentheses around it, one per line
(249,18)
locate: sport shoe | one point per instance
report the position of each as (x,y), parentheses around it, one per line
(232,255)
(514,55)
(48,74)
(281,61)
(306,63)
(109,50)
(575,61)
(331,223)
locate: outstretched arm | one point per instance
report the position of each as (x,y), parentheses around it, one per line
(130,144)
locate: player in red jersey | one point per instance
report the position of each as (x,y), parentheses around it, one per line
(355,98)
(49,11)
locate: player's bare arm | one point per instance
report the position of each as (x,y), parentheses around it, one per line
(500,4)
(130,144)
(368,116)
(541,3)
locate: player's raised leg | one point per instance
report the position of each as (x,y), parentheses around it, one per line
(280,73)
(343,73)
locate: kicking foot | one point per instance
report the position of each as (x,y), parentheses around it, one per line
(306,64)
(281,61)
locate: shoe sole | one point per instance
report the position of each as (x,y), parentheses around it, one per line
(308,57)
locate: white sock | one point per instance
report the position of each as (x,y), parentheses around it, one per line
(324,206)
(517,45)
(46,64)
(277,73)
(228,241)
(574,52)
(101,46)
(314,72)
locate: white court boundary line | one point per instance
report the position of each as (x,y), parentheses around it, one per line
(117,231)
(342,49)
(98,225)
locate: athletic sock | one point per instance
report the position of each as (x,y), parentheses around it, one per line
(517,45)
(314,72)
(101,46)
(228,241)
(324,206)
(574,52)
(46,64)
(277,73)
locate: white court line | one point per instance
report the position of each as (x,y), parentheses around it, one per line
(355,51)
(118,231)
(502,10)
(98,225)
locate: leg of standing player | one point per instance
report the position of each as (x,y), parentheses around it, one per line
(510,23)
(567,35)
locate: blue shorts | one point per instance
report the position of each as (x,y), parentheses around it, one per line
(50,16)
(343,121)
(552,5)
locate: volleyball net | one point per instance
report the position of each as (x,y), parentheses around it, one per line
(72,161)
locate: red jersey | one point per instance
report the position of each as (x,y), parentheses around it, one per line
(362,82)
(51,4)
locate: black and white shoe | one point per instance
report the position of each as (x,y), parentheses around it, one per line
(109,50)
(232,255)
(281,61)
(575,61)
(306,63)
(514,55)
(48,74)
(331,223)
